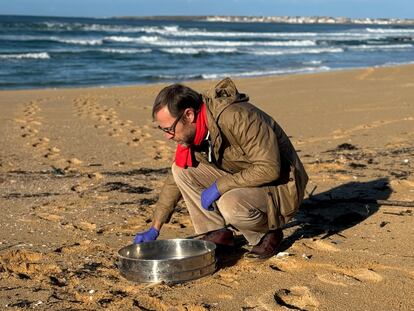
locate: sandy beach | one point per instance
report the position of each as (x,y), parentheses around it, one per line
(81,169)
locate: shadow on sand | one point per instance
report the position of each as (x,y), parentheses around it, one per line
(333,211)
(324,215)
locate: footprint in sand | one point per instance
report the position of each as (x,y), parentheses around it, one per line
(27,263)
(135,142)
(85,226)
(34,122)
(30,120)
(126,123)
(361,127)
(84,107)
(341,134)
(297,298)
(28,132)
(365,275)
(350,277)
(74,161)
(114,132)
(53,153)
(322,246)
(294,298)
(157,152)
(228,278)
(337,279)
(107,119)
(49,217)
(135,131)
(29,129)
(41,143)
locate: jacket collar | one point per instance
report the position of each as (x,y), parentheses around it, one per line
(217,100)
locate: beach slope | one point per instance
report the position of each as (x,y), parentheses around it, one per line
(81,169)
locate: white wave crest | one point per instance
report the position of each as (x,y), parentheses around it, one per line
(180,77)
(169,30)
(129,29)
(143,39)
(205,33)
(79,41)
(107,28)
(389,31)
(41,55)
(266,73)
(60,26)
(312,62)
(294,51)
(198,50)
(381,47)
(177,31)
(126,51)
(159,41)
(67,40)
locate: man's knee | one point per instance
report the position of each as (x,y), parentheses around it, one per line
(227,205)
(236,210)
(232,206)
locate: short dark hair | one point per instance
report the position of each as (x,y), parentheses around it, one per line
(177,98)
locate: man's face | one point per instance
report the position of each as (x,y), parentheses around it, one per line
(181,129)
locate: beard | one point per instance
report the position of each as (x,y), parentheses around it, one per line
(188,137)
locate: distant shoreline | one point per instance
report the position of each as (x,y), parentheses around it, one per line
(277,19)
(249,19)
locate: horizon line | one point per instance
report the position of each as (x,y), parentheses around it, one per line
(213,15)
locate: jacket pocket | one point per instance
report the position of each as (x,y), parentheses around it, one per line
(288,196)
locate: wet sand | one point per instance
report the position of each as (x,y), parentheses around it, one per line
(81,169)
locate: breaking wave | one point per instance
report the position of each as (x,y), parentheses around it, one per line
(198,50)
(41,55)
(155,40)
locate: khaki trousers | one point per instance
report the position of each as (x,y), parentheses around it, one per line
(243,208)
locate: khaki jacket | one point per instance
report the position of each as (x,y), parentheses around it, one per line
(255,151)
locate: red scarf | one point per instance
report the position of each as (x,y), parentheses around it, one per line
(184,156)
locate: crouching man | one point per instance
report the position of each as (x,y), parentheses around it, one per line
(234,165)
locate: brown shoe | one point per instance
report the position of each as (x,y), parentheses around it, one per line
(268,245)
(221,237)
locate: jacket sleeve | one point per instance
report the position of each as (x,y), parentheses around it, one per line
(168,199)
(259,147)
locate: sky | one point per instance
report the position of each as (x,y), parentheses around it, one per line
(109,8)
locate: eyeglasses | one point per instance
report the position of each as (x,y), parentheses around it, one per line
(171,130)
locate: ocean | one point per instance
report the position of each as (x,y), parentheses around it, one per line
(54,52)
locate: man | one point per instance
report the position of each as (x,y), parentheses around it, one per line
(234,165)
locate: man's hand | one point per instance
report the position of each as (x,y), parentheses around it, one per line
(146,236)
(209,196)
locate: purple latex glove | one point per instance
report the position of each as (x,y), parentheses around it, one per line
(146,236)
(209,196)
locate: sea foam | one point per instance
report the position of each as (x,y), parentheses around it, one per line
(41,55)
